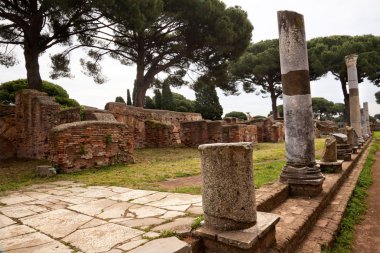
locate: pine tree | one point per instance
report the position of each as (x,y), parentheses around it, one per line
(120,100)
(207,101)
(167,97)
(129,100)
(157,99)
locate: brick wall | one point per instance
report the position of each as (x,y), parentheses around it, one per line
(158,134)
(8,133)
(86,144)
(194,133)
(239,133)
(135,118)
(69,115)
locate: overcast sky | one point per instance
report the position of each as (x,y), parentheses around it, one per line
(322,18)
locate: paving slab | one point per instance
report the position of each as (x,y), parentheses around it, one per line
(5,221)
(97,193)
(101,238)
(146,211)
(131,195)
(33,242)
(177,199)
(163,245)
(17,211)
(93,223)
(94,207)
(181,226)
(172,214)
(15,230)
(132,244)
(15,198)
(57,223)
(150,198)
(117,210)
(142,222)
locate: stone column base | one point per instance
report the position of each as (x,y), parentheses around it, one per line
(331,167)
(304,181)
(258,238)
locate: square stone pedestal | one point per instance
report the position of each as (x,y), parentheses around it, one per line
(355,150)
(258,238)
(330,167)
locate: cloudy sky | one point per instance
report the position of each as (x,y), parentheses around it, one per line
(322,18)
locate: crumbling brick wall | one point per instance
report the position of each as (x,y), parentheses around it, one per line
(194,133)
(8,133)
(86,144)
(158,134)
(269,130)
(69,115)
(135,118)
(36,114)
(239,133)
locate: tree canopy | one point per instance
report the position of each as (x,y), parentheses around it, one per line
(37,25)
(171,37)
(377,96)
(326,54)
(235,114)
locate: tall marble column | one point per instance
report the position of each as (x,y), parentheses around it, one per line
(354,95)
(363,121)
(365,107)
(300,171)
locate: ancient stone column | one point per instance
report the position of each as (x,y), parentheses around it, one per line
(354,95)
(300,171)
(228,191)
(365,107)
(363,121)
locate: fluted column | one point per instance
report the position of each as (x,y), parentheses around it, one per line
(300,171)
(354,95)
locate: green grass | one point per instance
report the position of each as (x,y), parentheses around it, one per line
(152,166)
(357,205)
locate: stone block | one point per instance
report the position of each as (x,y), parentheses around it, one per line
(45,171)
(164,245)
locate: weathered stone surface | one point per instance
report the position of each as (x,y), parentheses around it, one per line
(141,222)
(195,210)
(176,199)
(15,198)
(164,245)
(132,244)
(146,211)
(33,242)
(117,210)
(15,230)
(94,207)
(340,138)
(17,211)
(45,171)
(57,223)
(329,152)
(5,221)
(173,214)
(101,238)
(232,207)
(351,137)
(150,198)
(93,223)
(130,195)
(181,226)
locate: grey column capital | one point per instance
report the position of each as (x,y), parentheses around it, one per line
(351,60)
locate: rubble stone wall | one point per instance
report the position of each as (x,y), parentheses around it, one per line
(135,118)
(8,133)
(158,134)
(86,144)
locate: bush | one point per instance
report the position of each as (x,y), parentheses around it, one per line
(9,89)
(234,114)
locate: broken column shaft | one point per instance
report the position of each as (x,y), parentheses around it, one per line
(365,107)
(354,95)
(300,171)
(228,190)
(364,124)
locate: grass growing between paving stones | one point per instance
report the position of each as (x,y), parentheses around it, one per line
(152,167)
(357,205)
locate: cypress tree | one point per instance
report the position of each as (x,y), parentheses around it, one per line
(167,97)
(129,100)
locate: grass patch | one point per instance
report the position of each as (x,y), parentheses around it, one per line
(197,222)
(152,166)
(357,205)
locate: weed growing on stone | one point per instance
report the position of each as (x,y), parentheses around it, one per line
(357,205)
(197,222)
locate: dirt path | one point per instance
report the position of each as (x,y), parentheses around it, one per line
(181,182)
(367,234)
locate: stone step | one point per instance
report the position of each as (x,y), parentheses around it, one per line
(298,215)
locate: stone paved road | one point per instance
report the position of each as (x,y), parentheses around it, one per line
(70,217)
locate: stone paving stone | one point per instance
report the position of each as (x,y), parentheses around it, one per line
(17,211)
(150,198)
(177,199)
(142,222)
(15,199)
(181,208)
(14,230)
(119,189)
(72,199)
(130,195)
(146,211)
(57,223)
(34,242)
(151,235)
(93,223)
(57,192)
(195,210)
(181,226)
(101,238)
(97,193)
(172,214)
(120,220)
(132,244)
(5,221)
(94,207)
(164,245)
(115,211)
(37,195)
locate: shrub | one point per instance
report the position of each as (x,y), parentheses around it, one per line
(9,89)
(234,114)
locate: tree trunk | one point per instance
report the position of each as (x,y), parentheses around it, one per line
(32,68)
(346,100)
(273,98)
